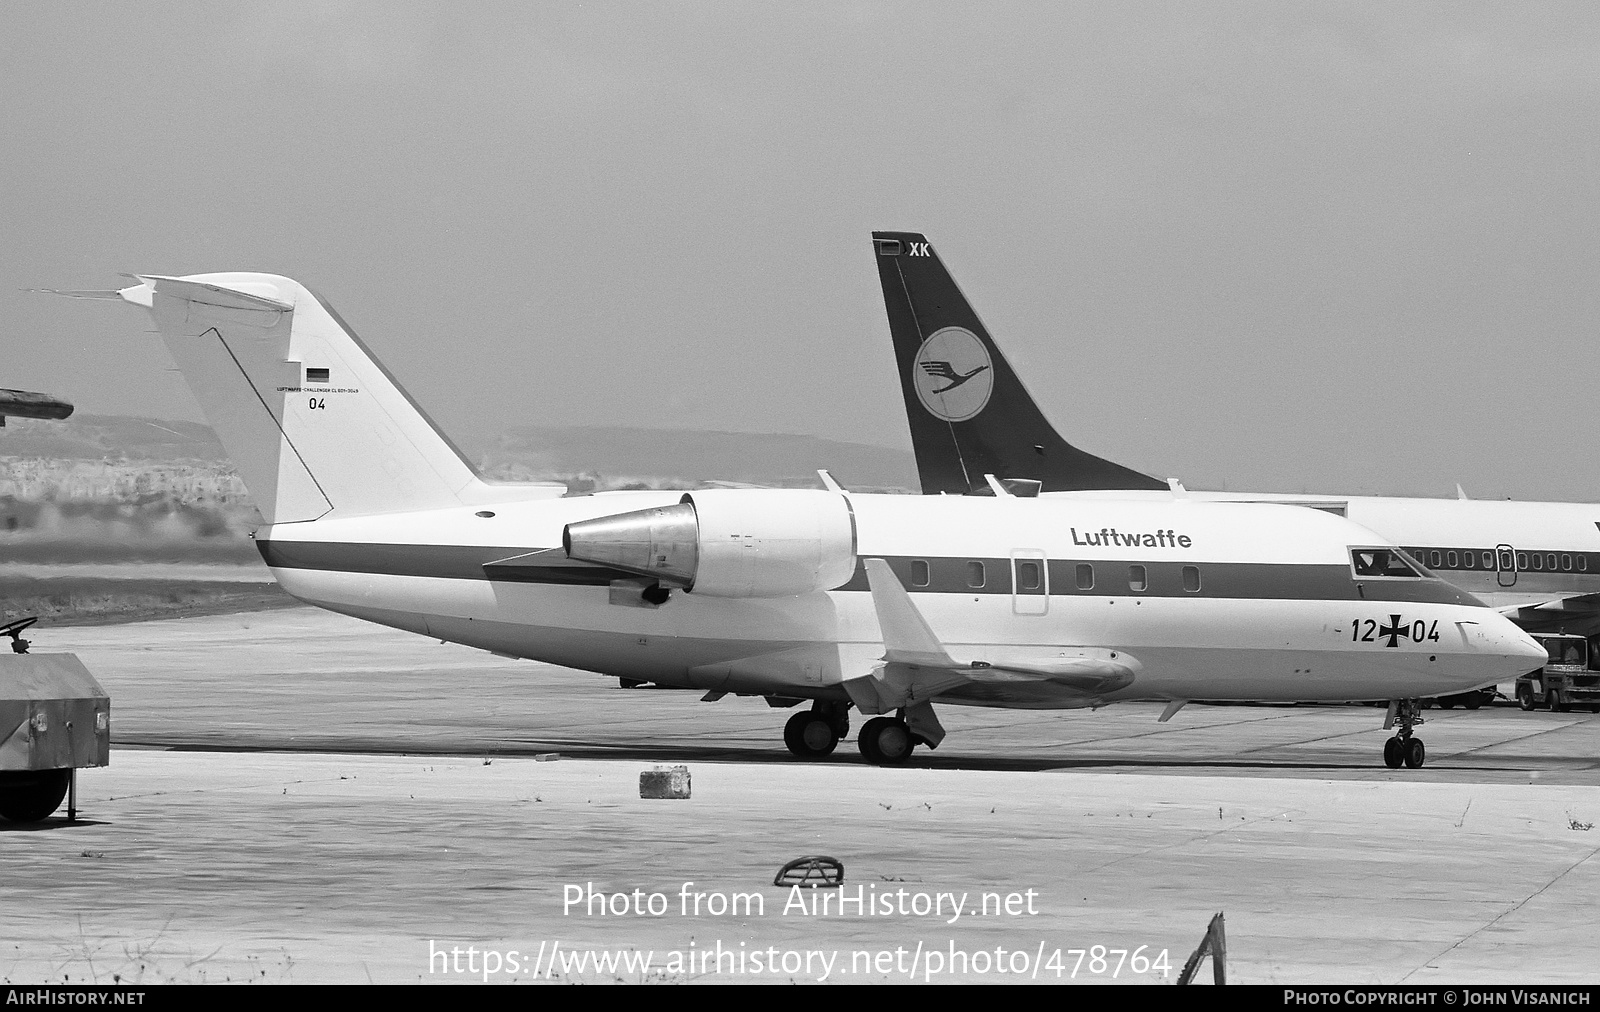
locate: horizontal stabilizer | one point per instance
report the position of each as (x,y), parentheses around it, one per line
(110,294)
(258,295)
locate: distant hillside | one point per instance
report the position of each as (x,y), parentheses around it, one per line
(586,457)
(118,437)
(620,456)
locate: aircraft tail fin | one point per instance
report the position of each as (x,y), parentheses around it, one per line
(969,413)
(313,421)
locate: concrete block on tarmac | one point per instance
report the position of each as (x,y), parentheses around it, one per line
(664,782)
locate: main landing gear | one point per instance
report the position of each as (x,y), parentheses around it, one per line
(1403,748)
(884,741)
(814,733)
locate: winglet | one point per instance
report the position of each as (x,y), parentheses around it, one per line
(906,636)
(827,480)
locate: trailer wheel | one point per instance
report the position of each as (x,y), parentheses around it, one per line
(1525,696)
(33,795)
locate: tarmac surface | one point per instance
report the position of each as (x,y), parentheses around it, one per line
(297,796)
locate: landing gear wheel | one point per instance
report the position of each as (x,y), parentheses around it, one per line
(809,735)
(1473,700)
(1393,753)
(867,739)
(1403,749)
(1525,696)
(1447,702)
(32,796)
(887,741)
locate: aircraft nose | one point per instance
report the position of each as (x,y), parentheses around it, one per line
(1509,641)
(1529,649)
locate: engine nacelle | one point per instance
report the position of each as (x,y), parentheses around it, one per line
(729,542)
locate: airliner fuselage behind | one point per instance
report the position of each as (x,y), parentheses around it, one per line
(1540,559)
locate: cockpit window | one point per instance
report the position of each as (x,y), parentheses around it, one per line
(1389,563)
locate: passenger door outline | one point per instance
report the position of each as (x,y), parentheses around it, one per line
(1031,600)
(1505,565)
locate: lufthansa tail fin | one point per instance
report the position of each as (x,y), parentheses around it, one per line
(314,423)
(970,415)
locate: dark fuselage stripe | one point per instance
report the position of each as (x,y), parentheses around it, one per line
(1165,579)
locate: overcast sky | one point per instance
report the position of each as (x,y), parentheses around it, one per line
(1266,246)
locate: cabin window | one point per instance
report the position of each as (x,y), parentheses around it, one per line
(1469,560)
(1538,561)
(1434,560)
(1191,579)
(1488,560)
(1522,561)
(1027,576)
(919,573)
(1382,562)
(975,575)
(1583,563)
(1137,580)
(1550,562)
(1566,563)
(1085,576)
(1450,560)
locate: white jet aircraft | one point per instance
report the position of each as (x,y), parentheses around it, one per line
(884,603)
(1536,561)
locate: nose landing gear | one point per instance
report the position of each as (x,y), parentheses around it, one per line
(1403,749)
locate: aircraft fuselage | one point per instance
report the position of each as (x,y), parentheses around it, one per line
(1207,601)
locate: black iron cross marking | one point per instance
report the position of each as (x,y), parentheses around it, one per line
(1394,630)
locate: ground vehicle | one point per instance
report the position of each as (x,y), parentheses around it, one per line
(1568,679)
(54,719)
(1471,700)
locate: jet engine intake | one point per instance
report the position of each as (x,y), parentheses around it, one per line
(728,542)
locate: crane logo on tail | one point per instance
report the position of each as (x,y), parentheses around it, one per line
(953,374)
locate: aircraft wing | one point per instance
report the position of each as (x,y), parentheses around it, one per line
(27,404)
(917,667)
(1578,613)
